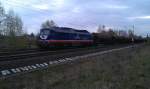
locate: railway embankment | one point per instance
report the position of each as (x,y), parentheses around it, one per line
(122,69)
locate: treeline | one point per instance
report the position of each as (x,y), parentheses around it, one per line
(10,23)
(112,36)
(12,31)
(12,35)
(113,32)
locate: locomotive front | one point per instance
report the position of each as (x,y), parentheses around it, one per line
(43,38)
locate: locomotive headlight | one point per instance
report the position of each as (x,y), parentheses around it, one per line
(43,37)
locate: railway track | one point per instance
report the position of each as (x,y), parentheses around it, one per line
(20,55)
(33,50)
(14,64)
(11,52)
(19,60)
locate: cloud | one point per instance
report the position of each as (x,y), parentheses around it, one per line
(41,6)
(56,5)
(146,17)
(76,10)
(83,14)
(115,6)
(140,17)
(57,2)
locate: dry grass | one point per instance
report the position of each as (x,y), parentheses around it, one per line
(127,69)
(16,43)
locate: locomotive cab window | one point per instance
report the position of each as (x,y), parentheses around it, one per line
(45,32)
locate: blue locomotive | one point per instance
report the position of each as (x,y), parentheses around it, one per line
(63,36)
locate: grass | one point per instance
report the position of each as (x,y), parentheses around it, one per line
(126,69)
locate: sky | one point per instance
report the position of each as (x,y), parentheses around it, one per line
(84,14)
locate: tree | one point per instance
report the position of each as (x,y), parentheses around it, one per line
(131,33)
(111,32)
(13,24)
(101,28)
(12,28)
(32,35)
(2,13)
(19,25)
(2,18)
(48,24)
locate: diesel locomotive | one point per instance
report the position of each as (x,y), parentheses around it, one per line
(63,36)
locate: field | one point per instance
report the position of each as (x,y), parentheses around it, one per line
(126,69)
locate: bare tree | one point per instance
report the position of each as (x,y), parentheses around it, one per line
(48,24)
(131,33)
(12,27)
(101,28)
(2,18)
(19,25)
(13,24)
(2,13)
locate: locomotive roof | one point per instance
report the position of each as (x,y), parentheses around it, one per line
(68,30)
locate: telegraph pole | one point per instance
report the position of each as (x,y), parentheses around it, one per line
(133,34)
(147,37)
(133,30)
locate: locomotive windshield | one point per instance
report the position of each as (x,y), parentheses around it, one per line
(45,32)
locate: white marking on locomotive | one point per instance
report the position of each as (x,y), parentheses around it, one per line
(43,37)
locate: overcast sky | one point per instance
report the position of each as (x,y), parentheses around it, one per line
(84,14)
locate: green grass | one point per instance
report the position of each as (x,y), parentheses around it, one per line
(126,69)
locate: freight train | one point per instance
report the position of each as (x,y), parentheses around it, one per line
(64,37)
